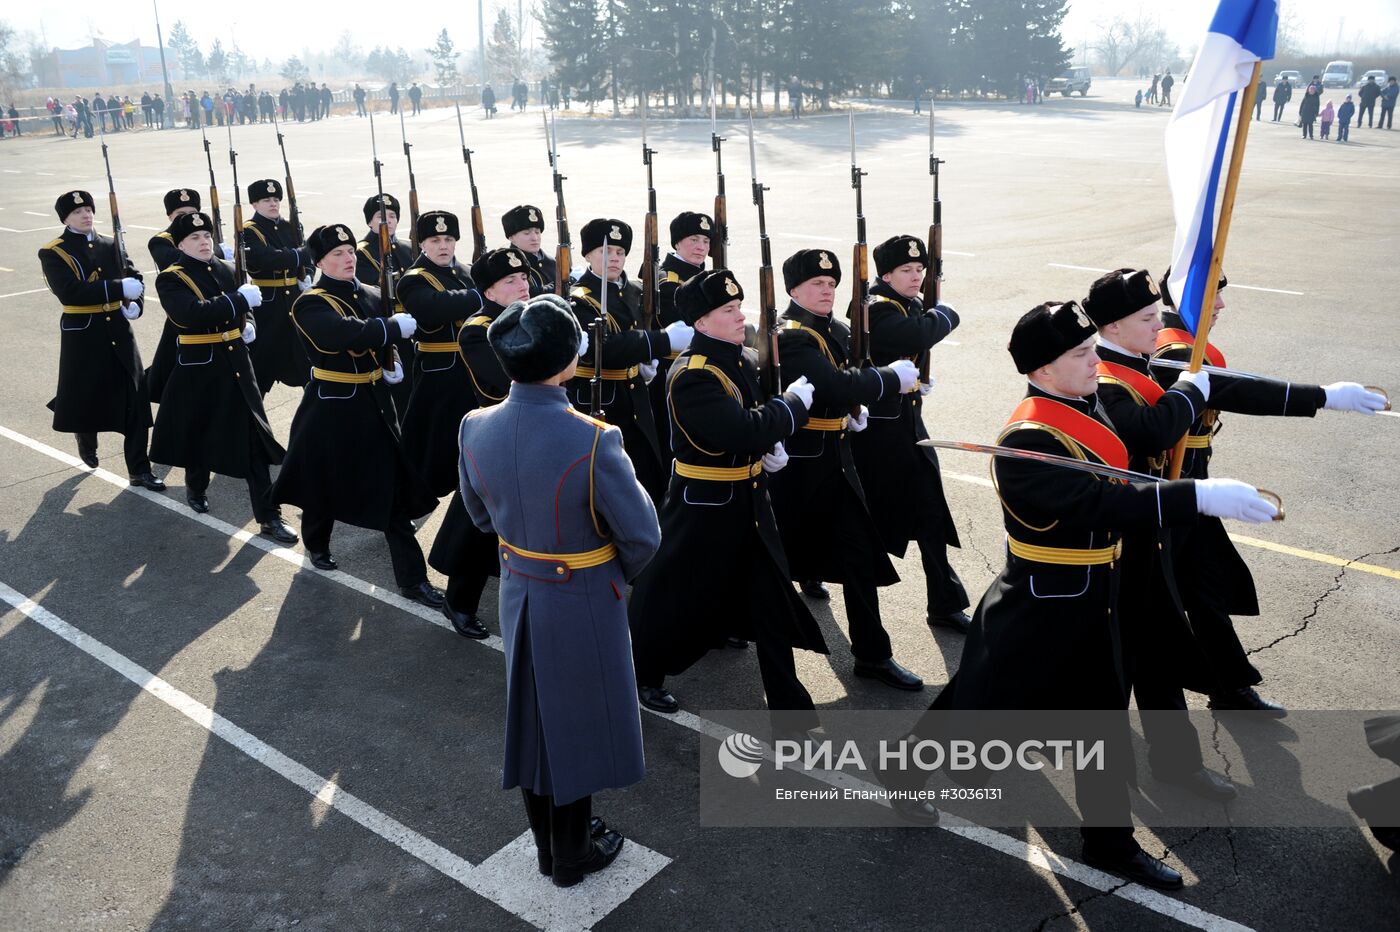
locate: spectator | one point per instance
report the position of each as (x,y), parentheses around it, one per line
(327,98)
(1326,118)
(394,97)
(1368,94)
(795,98)
(56,114)
(70,120)
(206,103)
(1283,92)
(1152,91)
(85,116)
(146,108)
(359,96)
(488,101)
(1137,99)
(1317,83)
(1307,111)
(1392,90)
(1344,115)
(14,120)
(415,97)
(158,111)
(1167,82)
(129,111)
(1260,93)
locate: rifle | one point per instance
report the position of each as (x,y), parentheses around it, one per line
(294,218)
(860,271)
(720,241)
(412,190)
(478,227)
(118,234)
(387,298)
(770,371)
(213,193)
(933,281)
(563,265)
(650,259)
(240,268)
(599,328)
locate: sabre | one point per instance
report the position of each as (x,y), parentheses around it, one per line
(1054,459)
(1181,366)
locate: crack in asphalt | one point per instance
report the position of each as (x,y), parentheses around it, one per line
(42,475)
(1078,905)
(1317,603)
(967,537)
(1229,823)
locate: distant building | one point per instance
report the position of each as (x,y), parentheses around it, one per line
(103,65)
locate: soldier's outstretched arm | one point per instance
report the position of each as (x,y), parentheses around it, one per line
(433,308)
(1149,429)
(841,388)
(624,505)
(1259,397)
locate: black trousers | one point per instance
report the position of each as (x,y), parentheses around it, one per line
(259,486)
(1368,110)
(859,594)
(410,568)
(1278,110)
(136,441)
(945,590)
(464,591)
(1387,120)
(1173,746)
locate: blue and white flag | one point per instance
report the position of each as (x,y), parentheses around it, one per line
(1241,33)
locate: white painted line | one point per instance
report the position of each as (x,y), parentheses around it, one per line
(16,294)
(30,230)
(1089,268)
(137,226)
(46,174)
(5,269)
(12,171)
(971,480)
(499,878)
(1270,290)
(993,839)
(954,252)
(950,343)
(1076,268)
(34,213)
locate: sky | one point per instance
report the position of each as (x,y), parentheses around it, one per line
(302,25)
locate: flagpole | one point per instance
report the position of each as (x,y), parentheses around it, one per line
(1217,256)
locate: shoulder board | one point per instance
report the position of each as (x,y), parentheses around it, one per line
(697,361)
(172,267)
(52,243)
(481,320)
(165,236)
(672,277)
(413,271)
(601,425)
(580,291)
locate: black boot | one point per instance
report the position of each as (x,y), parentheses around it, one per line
(87,449)
(576,852)
(537,811)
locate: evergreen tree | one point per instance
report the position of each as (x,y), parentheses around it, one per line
(503,51)
(186,50)
(444,59)
(293,70)
(217,63)
(573,34)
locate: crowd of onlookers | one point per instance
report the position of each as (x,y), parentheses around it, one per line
(1313,109)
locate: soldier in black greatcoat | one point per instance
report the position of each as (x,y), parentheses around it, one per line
(1215,581)
(368,267)
(178,202)
(344,461)
(819,501)
(902,481)
(213,419)
(630,354)
(282,271)
(523,227)
(690,245)
(721,571)
(101,384)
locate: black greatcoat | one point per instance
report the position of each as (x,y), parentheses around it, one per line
(821,467)
(672,273)
(542,272)
(367,269)
(100,377)
(626,401)
(1214,579)
(163,253)
(275,266)
(440,300)
(213,416)
(903,484)
(724,528)
(460,547)
(1047,635)
(345,461)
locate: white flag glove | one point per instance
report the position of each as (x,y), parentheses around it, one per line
(228,251)
(131,311)
(252,294)
(908,374)
(395,375)
(304,283)
(1230,498)
(132,288)
(1199,379)
(926,387)
(583,343)
(804,391)
(858,421)
(648,371)
(250,332)
(407,325)
(679,334)
(1349,396)
(775,460)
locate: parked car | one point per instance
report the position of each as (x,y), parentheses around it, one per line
(1339,74)
(1292,77)
(1074,79)
(1380,74)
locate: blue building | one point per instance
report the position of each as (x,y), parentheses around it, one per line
(104,65)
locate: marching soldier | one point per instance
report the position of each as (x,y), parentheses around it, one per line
(101,385)
(1160,653)
(282,271)
(629,353)
(178,202)
(574,526)
(690,245)
(213,419)
(719,539)
(523,227)
(902,482)
(1215,581)
(827,530)
(345,462)
(1046,633)
(367,269)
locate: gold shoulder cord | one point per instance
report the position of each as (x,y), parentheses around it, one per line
(1064,440)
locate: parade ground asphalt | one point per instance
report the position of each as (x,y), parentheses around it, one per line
(199,730)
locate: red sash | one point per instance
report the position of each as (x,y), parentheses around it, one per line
(1142,384)
(1089,433)
(1170,336)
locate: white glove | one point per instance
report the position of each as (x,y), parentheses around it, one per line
(1199,379)
(252,294)
(858,421)
(583,343)
(131,311)
(1349,396)
(648,371)
(132,288)
(407,325)
(395,375)
(304,283)
(776,460)
(227,251)
(250,332)
(804,391)
(679,334)
(1230,498)
(926,387)
(908,374)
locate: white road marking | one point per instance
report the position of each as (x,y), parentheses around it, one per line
(12,171)
(137,226)
(35,213)
(16,294)
(509,878)
(1270,290)
(5,269)
(1030,854)
(30,230)
(1090,268)
(1076,268)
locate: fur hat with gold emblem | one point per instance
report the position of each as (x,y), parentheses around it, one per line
(897,251)
(189,224)
(496,264)
(615,232)
(1046,332)
(524,217)
(438,223)
(706,292)
(323,239)
(810,263)
(689,223)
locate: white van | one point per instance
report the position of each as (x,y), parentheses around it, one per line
(1339,74)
